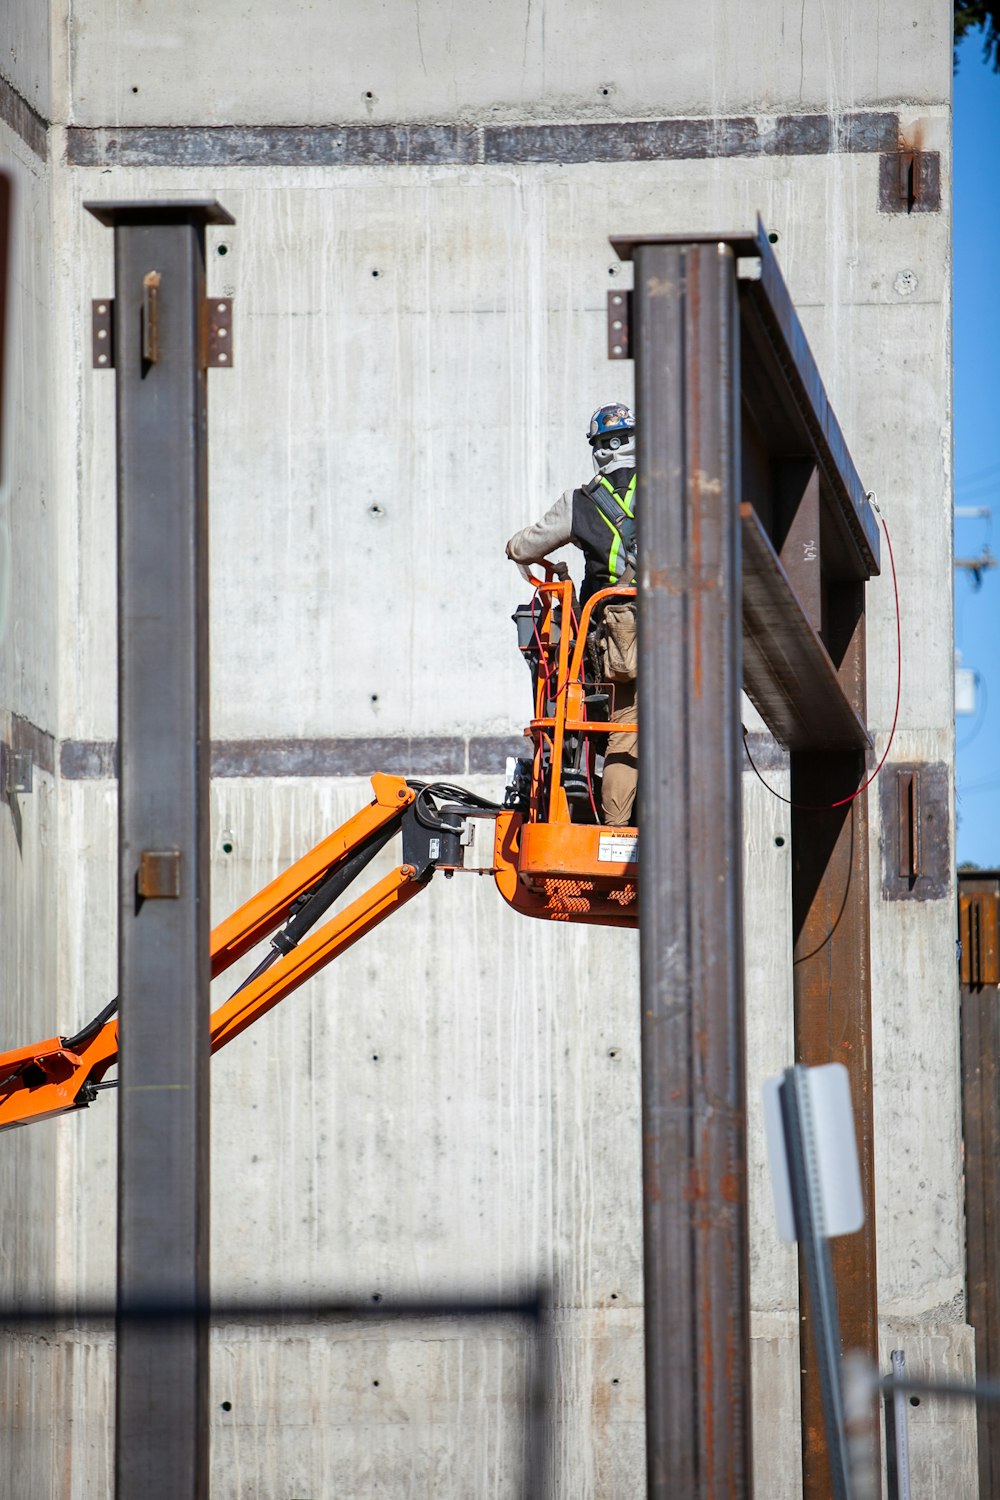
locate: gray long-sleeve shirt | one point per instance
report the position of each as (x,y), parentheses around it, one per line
(533,543)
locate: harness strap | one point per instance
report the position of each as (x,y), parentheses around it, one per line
(602,493)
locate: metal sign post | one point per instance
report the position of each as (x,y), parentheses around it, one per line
(817,1194)
(800,1144)
(159,352)
(897,1432)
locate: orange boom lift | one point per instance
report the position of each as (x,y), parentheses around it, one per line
(546,848)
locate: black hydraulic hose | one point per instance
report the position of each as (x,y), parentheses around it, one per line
(427,814)
(74,1043)
(312,904)
(270,957)
(310,907)
(306,912)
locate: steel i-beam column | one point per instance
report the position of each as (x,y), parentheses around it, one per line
(697,1319)
(832,993)
(163,743)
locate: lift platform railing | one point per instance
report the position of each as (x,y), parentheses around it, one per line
(573,703)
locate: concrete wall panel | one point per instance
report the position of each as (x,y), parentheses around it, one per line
(917,1120)
(29,824)
(142,63)
(28,514)
(358,1407)
(401,425)
(450,1110)
(25,62)
(774,1375)
(31,1389)
(774,1293)
(941,1433)
(373,1133)
(454,1106)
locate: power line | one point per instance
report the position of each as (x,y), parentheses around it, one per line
(978,474)
(976,566)
(977,490)
(979,718)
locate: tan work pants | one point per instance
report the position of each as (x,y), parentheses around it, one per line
(621,760)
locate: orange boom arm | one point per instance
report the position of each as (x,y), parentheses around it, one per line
(549,858)
(51,1077)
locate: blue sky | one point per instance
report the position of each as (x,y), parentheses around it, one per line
(977,443)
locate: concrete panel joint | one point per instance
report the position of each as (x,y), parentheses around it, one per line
(411,143)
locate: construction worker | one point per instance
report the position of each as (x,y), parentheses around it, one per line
(599,518)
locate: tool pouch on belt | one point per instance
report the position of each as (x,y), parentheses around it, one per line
(616,643)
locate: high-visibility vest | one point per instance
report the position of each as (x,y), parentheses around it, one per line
(604,528)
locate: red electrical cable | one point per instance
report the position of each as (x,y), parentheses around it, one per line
(843,801)
(575,623)
(541,652)
(590,784)
(542,659)
(574,631)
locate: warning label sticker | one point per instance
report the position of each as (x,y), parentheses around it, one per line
(615,848)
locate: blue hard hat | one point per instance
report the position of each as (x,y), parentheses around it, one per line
(606,419)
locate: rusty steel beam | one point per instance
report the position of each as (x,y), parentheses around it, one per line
(787,671)
(832,995)
(159,358)
(686,341)
(830,881)
(979,934)
(800,387)
(406,143)
(783,387)
(798,528)
(810,541)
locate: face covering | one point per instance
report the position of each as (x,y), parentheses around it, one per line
(622,456)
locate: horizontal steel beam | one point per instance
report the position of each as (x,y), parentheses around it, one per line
(781,382)
(770,298)
(787,672)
